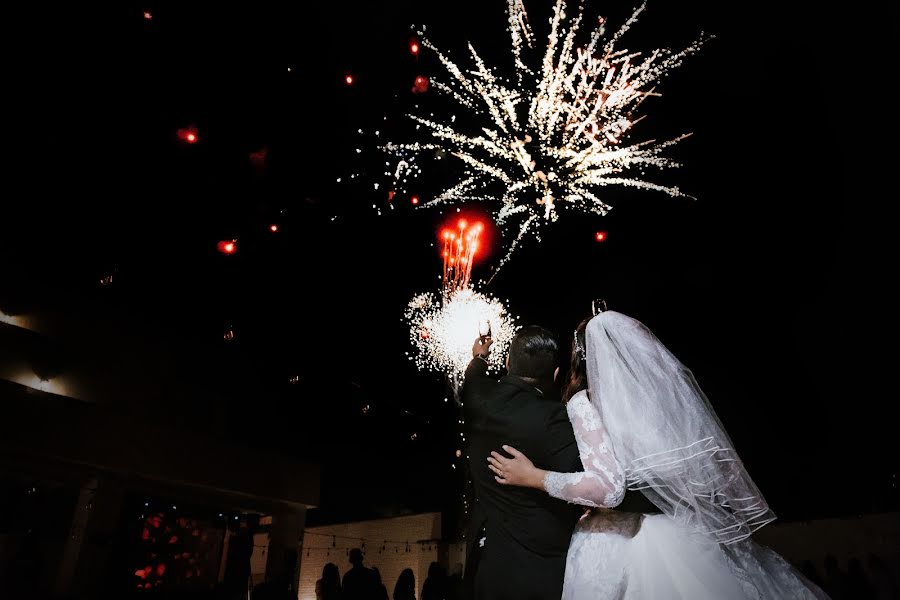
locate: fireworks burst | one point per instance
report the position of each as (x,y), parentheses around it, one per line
(442,330)
(539,148)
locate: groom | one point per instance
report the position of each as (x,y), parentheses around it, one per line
(518,537)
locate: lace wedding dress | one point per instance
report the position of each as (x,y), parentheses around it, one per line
(618,555)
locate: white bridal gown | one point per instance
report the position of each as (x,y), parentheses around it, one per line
(617,555)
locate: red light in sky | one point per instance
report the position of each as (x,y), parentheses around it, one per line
(349,79)
(414,47)
(188,134)
(227,247)
(273,228)
(601,236)
(147,15)
(420,85)
(414,199)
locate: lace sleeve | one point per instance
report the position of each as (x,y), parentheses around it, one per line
(602,484)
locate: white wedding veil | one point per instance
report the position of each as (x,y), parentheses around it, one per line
(665,434)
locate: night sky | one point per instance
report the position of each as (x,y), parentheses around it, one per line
(744,284)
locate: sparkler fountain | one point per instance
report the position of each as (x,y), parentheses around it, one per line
(444,326)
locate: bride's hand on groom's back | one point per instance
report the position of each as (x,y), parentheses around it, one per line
(518,470)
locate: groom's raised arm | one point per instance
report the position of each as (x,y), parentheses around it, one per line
(477,383)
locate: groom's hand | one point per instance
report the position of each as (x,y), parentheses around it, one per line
(482,347)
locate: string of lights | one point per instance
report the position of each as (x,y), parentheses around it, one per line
(335,537)
(363,543)
(382,547)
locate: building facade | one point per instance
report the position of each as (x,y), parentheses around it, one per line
(115,476)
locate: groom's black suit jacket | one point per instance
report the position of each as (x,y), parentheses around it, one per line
(527,531)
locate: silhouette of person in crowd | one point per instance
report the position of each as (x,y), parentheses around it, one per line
(435,586)
(328,587)
(359,581)
(406,586)
(381,592)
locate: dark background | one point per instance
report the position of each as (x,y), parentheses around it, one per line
(756,285)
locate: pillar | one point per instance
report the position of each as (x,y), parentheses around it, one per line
(285,541)
(85,564)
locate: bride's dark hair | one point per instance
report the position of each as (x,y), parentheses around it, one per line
(577,378)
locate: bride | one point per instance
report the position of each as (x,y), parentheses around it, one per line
(642,423)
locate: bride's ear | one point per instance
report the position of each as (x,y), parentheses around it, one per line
(555,374)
